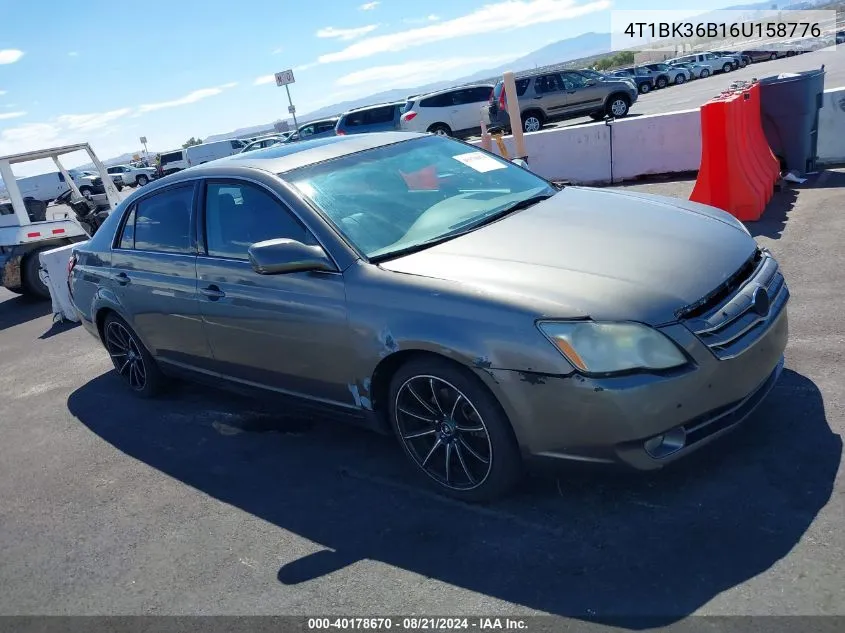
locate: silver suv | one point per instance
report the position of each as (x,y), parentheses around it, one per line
(553,96)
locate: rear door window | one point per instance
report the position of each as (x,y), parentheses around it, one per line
(162,222)
(380,115)
(444,100)
(354,119)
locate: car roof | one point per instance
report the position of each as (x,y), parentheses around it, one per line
(279,159)
(373,106)
(483,84)
(323,120)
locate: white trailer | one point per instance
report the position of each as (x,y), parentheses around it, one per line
(23,232)
(207,152)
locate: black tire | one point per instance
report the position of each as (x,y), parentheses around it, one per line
(440,129)
(662,82)
(532,121)
(727,68)
(644,88)
(130,358)
(86,191)
(679,79)
(32,286)
(141,180)
(705,73)
(475,480)
(119,187)
(617,106)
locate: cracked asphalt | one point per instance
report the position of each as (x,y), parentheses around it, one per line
(205,503)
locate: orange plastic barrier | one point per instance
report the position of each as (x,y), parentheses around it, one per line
(738,169)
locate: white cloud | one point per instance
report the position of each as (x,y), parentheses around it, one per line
(428,18)
(418,71)
(73,54)
(91,121)
(264,79)
(11,115)
(192,97)
(10,55)
(278,50)
(2,92)
(369,6)
(503,16)
(346,34)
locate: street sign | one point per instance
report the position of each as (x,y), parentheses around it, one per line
(284,78)
(143,140)
(291,109)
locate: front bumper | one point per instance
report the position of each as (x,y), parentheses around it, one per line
(622,419)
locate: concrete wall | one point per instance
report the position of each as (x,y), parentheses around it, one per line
(831,144)
(649,144)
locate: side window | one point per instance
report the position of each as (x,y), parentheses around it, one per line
(464,97)
(238,215)
(572,81)
(127,240)
(236,144)
(522,86)
(163,221)
(481,94)
(549,83)
(61,177)
(306,131)
(325,126)
(380,115)
(355,119)
(444,100)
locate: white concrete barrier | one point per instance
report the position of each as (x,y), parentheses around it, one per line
(649,144)
(831,141)
(656,144)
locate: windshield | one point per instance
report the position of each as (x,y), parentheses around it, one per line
(403,196)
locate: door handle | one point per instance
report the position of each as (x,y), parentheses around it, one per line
(122,278)
(212,292)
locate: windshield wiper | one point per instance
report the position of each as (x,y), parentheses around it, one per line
(500,213)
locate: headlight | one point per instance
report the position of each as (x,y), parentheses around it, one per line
(604,348)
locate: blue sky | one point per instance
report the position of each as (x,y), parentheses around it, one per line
(108,73)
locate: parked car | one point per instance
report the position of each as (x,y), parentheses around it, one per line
(643,79)
(761,55)
(675,74)
(713,62)
(452,112)
(207,152)
(660,79)
(265,141)
(48,187)
(432,290)
(696,71)
(315,129)
(171,162)
(545,97)
(738,59)
(840,37)
(589,73)
(383,117)
(133,176)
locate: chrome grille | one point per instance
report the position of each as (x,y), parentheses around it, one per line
(741,317)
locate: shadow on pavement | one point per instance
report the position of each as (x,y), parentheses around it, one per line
(19,309)
(774,218)
(59,327)
(593,546)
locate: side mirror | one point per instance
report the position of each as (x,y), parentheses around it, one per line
(590,82)
(520,162)
(273,257)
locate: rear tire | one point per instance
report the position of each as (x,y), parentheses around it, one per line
(680,79)
(131,360)
(662,82)
(705,73)
(532,121)
(141,181)
(645,88)
(467,425)
(727,68)
(32,286)
(440,129)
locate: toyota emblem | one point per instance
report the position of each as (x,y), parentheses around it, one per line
(760,301)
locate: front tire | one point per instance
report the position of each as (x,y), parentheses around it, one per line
(141,181)
(617,106)
(532,122)
(86,191)
(453,430)
(680,79)
(133,363)
(727,68)
(644,88)
(662,82)
(705,73)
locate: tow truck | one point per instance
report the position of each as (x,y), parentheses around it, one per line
(28,228)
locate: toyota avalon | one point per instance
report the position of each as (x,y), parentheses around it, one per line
(420,286)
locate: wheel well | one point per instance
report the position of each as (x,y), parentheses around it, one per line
(536,112)
(100,320)
(438,124)
(619,95)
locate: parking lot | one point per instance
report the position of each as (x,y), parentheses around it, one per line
(697,92)
(205,503)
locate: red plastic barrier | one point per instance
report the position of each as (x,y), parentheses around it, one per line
(738,170)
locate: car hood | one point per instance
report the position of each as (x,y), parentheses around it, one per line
(594,253)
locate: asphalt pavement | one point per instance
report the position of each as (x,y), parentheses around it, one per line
(205,503)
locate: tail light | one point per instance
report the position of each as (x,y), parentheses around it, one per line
(340,132)
(408,116)
(71,264)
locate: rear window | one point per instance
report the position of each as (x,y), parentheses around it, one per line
(444,100)
(354,119)
(172,157)
(521,87)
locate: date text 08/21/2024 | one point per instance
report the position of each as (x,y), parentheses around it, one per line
(416,623)
(689,30)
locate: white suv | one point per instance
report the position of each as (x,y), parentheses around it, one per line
(452,112)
